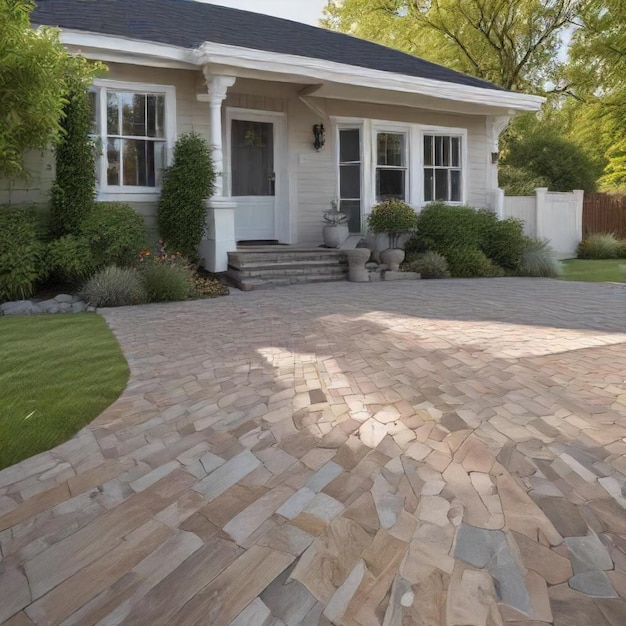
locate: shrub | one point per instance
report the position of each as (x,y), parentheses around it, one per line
(74,190)
(539,260)
(441,227)
(186,183)
(166,283)
(503,241)
(516,181)
(430,265)
(116,234)
(393,217)
(599,246)
(114,286)
(70,258)
(204,287)
(21,254)
(471,263)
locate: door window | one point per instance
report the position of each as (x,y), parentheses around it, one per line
(252,161)
(350,176)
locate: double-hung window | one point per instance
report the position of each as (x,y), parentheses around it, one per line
(442,168)
(132,125)
(391,166)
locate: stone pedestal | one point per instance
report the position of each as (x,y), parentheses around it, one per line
(357,272)
(220,235)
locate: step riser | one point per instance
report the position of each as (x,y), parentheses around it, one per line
(271,284)
(291,271)
(239,260)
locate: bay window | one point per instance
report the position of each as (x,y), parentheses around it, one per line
(133,128)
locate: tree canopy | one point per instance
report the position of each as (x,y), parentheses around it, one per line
(34,70)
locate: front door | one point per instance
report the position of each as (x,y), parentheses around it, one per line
(253,177)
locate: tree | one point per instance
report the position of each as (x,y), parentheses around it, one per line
(32,85)
(512,43)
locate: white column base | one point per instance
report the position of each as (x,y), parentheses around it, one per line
(220,235)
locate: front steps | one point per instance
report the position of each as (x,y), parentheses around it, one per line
(272,266)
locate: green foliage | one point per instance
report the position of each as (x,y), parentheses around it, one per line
(22,254)
(34,68)
(393,217)
(116,234)
(512,43)
(165,283)
(556,159)
(600,246)
(70,259)
(539,260)
(74,189)
(471,263)
(517,181)
(114,286)
(186,184)
(503,241)
(614,176)
(430,265)
(205,287)
(441,227)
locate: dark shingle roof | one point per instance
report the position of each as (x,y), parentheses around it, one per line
(188,24)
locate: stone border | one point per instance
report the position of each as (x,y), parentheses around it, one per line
(63,303)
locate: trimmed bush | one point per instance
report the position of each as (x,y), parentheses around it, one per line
(441,227)
(116,234)
(430,265)
(114,286)
(74,190)
(600,246)
(393,217)
(471,263)
(71,260)
(22,254)
(503,241)
(539,260)
(166,283)
(186,183)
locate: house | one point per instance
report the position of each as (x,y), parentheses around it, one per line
(296,116)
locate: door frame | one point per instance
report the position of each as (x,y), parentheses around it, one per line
(282,216)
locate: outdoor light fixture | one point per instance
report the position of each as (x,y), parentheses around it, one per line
(495,156)
(320,136)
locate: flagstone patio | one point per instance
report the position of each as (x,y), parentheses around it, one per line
(434,453)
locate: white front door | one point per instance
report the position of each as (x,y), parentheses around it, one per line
(254,146)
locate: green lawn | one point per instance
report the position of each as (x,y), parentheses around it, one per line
(57,373)
(595,271)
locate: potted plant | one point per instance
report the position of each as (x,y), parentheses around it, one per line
(395,218)
(336,230)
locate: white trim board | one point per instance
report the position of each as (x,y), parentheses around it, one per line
(285,64)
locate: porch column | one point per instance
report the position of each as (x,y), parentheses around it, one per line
(496,125)
(220,234)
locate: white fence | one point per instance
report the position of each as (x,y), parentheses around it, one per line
(557,217)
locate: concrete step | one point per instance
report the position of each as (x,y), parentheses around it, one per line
(240,259)
(253,284)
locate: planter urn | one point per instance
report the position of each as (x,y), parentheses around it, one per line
(334,235)
(392,258)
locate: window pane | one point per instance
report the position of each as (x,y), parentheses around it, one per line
(113,124)
(446,151)
(113,162)
(456,152)
(352,208)
(139,163)
(455,185)
(390,184)
(428,150)
(391,149)
(349,145)
(252,161)
(429,179)
(350,181)
(439,151)
(93,112)
(441,185)
(155,110)
(133,114)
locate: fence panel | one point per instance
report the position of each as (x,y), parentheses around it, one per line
(523,208)
(604,213)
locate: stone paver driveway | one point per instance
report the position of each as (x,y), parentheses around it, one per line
(434,453)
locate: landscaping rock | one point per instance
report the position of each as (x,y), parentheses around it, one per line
(65,307)
(19,307)
(49,306)
(64,298)
(78,307)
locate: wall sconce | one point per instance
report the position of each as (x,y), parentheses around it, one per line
(320,136)
(495,157)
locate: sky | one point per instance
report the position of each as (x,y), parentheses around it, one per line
(308,11)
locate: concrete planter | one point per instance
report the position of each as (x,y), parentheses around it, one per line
(392,258)
(335,234)
(357,272)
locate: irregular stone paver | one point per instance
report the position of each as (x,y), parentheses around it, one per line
(442,452)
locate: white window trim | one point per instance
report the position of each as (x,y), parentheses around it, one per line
(415,158)
(130,193)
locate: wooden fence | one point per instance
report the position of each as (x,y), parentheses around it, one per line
(604,213)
